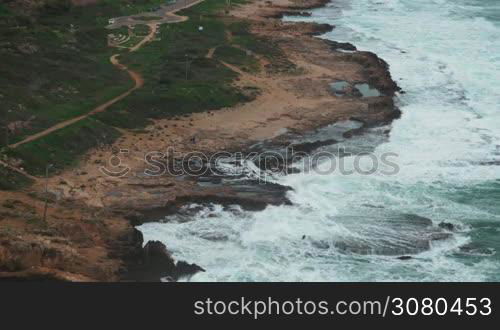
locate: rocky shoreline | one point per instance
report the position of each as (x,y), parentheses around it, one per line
(113,248)
(262,195)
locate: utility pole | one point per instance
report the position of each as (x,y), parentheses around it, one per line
(46,192)
(6,135)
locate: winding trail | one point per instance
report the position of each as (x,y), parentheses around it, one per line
(18,170)
(168,16)
(138,83)
(211,52)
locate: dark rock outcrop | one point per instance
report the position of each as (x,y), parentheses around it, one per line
(154,263)
(335,45)
(446,225)
(308,147)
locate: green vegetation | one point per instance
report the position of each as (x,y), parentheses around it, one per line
(4,11)
(63,147)
(11,180)
(238,57)
(129,7)
(141,30)
(56,66)
(208,7)
(131,42)
(167,92)
(262,46)
(55,62)
(52,71)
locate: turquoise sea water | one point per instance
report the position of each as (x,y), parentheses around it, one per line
(445,54)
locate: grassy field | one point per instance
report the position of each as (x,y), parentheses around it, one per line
(63,148)
(262,46)
(57,67)
(238,57)
(55,63)
(4,11)
(181,48)
(52,72)
(11,180)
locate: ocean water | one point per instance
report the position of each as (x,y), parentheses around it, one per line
(445,54)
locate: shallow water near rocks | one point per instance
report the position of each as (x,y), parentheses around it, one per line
(366,90)
(339,87)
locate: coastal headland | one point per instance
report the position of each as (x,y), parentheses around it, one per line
(77,224)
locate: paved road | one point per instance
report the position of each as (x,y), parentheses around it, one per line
(165,12)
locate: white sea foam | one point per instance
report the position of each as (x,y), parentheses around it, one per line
(446,59)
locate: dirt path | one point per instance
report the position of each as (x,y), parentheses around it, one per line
(136,77)
(153,27)
(210,52)
(18,170)
(139,82)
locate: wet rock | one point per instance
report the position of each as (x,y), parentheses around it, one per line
(308,147)
(440,236)
(323,245)
(319,29)
(446,225)
(373,206)
(383,247)
(405,257)
(376,72)
(490,163)
(156,263)
(271,161)
(341,45)
(417,220)
(288,13)
(184,269)
(292,170)
(250,195)
(354,132)
(476,249)
(384,233)
(214,237)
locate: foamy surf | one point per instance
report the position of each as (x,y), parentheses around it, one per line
(444,54)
